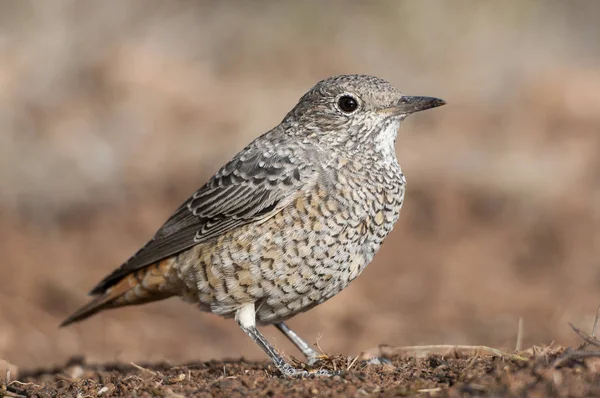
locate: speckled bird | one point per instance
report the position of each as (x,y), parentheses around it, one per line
(288,223)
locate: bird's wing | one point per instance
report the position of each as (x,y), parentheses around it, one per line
(260,181)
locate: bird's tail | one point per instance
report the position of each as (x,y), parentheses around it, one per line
(141,286)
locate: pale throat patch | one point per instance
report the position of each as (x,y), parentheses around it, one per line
(386,139)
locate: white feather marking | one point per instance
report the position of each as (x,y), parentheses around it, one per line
(246,316)
(385,140)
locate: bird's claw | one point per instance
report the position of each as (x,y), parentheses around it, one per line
(324,373)
(378,361)
(289,371)
(313,360)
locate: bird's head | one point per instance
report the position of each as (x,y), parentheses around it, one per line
(356,110)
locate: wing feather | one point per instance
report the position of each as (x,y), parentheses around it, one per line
(260,181)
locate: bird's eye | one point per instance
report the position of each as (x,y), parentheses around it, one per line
(347,103)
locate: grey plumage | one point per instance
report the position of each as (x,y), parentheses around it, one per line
(288,222)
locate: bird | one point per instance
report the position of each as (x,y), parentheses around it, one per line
(287,223)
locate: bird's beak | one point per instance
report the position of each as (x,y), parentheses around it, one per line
(408,105)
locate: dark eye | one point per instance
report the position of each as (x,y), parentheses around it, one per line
(347,103)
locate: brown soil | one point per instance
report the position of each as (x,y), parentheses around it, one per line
(552,371)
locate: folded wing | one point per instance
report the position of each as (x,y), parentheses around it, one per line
(256,184)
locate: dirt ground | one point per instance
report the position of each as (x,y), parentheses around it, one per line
(538,372)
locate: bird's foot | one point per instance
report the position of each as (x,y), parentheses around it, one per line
(324,373)
(378,361)
(288,370)
(314,359)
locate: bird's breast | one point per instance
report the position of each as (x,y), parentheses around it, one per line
(301,256)
(373,193)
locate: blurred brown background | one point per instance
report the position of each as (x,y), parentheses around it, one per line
(112,113)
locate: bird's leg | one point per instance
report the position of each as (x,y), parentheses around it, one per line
(246,318)
(307,350)
(312,355)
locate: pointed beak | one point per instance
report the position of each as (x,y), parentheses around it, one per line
(408,105)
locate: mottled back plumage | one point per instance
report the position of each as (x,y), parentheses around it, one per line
(288,222)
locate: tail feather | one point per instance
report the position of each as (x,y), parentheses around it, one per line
(143,286)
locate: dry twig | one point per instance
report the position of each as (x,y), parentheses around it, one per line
(519,344)
(593,335)
(444,350)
